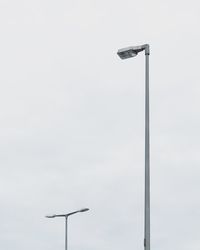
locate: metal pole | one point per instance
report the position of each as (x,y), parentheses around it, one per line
(66,220)
(147,156)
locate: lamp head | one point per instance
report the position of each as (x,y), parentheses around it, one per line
(132,51)
(83,209)
(51,216)
(127,53)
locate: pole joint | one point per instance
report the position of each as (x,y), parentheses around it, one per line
(147,49)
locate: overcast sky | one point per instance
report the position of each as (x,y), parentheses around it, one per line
(72,123)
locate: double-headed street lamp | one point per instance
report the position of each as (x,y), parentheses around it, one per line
(66,220)
(126,53)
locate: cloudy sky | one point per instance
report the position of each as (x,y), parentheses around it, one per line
(72,123)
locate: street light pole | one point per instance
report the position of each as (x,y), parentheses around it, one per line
(126,53)
(147,156)
(66,227)
(66,222)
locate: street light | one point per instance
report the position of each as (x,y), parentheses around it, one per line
(126,53)
(66,220)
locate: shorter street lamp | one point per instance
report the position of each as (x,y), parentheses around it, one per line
(66,220)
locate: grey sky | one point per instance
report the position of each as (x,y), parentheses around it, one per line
(71,123)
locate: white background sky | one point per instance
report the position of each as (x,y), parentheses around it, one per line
(72,123)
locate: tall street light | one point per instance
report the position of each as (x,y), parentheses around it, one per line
(126,53)
(66,220)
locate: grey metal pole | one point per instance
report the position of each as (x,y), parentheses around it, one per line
(147,156)
(66,220)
